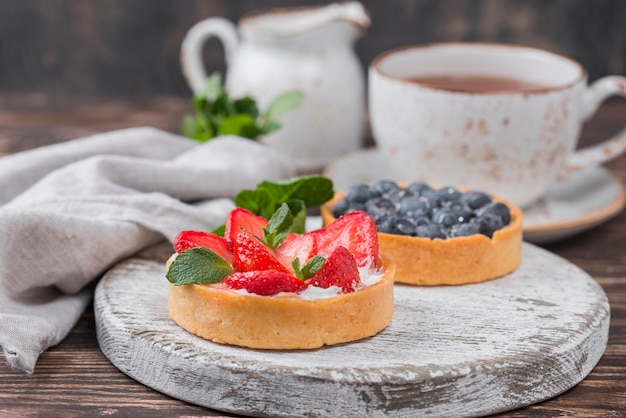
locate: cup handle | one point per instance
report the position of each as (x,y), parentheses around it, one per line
(191,49)
(610,148)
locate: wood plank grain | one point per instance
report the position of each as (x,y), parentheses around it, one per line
(77,362)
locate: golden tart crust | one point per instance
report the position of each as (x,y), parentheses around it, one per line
(283,321)
(453,261)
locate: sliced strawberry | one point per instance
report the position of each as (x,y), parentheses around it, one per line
(251,254)
(300,246)
(340,269)
(355,231)
(240,218)
(191,239)
(265,282)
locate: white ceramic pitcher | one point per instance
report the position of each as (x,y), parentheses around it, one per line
(309,49)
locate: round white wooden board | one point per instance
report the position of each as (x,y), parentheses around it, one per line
(449,351)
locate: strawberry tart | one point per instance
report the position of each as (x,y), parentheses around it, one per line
(262,286)
(437,236)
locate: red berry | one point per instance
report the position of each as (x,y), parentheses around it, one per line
(355,231)
(302,247)
(186,240)
(240,218)
(265,283)
(251,254)
(340,269)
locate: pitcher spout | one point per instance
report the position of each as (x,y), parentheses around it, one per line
(351,12)
(294,21)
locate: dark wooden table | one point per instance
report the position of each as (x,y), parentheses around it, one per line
(75,379)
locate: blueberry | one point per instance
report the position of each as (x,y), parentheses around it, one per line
(498,209)
(431,231)
(445,217)
(419,220)
(461,211)
(434,200)
(341,208)
(396,196)
(418,188)
(464,230)
(380,206)
(385,225)
(448,194)
(413,205)
(475,199)
(355,206)
(489,223)
(404,227)
(359,193)
(385,187)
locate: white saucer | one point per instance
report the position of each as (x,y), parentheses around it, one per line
(582,201)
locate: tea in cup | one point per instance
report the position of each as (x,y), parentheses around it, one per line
(500,118)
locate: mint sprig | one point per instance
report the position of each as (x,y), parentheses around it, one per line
(309,269)
(217,114)
(198,265)
(278,227)
(298,193)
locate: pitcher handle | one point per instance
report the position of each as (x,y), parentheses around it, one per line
(191,49)
(610,148)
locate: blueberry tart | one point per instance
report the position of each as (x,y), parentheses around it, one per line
(437,236)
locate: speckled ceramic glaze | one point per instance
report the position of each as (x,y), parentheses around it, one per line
(309,49)
(510,144)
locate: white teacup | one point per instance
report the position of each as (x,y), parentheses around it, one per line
(513,140)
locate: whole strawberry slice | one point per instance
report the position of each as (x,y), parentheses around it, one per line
(355,231)
(240,218)
(265,282)
(186,240)
(251,254)
(340,269)
(302,247)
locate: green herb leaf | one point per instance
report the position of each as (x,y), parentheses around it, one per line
(198,266)
(284,103)
(278,227)
(299,193)
(236,124)
(298,210)
(313,190)
(213,88)
(310,268)
(247,105)
(217,114)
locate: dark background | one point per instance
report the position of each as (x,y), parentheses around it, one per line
(131,47)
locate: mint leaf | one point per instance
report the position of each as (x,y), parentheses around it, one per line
(198,266)
(217,114)
(310,268)
(283,103)
(313,190)
(298,210)
(278,227)
(213,88)
(299,193)
(236,124)
(247,105)
(256,201)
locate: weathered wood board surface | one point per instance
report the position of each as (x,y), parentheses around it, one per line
(449,351)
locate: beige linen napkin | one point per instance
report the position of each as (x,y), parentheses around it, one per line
(70,211)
